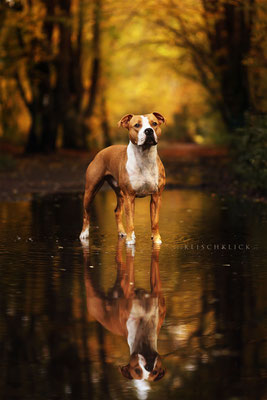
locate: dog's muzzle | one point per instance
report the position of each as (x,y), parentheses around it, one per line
(150,136)
(150,362)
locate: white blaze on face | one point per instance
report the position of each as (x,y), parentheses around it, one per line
(141,133)
(142,363)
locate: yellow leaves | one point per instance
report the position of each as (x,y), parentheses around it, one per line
(147,51)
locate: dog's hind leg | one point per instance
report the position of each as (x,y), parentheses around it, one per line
(94,180)
(118,215)
(119,208)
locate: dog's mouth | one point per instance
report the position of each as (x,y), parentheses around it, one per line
(150,141)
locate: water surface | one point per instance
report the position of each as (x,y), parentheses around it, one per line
(211,284)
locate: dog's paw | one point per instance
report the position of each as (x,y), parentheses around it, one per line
(84,234)
(156,239)
(131,240)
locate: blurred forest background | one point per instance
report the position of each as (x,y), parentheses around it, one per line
(69,69)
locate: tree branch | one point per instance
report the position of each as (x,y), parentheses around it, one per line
(22,92)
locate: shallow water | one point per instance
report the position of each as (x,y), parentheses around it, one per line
(63,303)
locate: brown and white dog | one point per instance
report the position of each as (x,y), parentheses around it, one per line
(132,313)
(132,171)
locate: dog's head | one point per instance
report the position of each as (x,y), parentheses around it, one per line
(143,129)
(141,368)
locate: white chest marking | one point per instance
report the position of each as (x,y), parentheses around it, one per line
(149,318)
(142,363)
(142,168)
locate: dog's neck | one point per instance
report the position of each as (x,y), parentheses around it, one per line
(149,153)
(142,162)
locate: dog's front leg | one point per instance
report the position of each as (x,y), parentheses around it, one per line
(154,215)
(129,214)
(155,282)
(127,277)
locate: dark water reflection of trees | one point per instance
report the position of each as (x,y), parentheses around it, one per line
(213,339)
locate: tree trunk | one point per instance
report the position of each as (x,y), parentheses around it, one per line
(49,117)
(229,34)
(104,121)
(69,72)
(96,61)
(63,91)
(43,130)
(32,145)
(95,69)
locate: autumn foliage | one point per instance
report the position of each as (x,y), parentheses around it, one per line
(69,69)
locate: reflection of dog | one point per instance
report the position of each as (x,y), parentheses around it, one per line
(132,171)
(132,313)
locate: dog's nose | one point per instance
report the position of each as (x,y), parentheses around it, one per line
(149,131)
(149,366)
(150,361)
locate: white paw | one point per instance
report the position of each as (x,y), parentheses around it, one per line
(132,240)
(84,234)
(157,240)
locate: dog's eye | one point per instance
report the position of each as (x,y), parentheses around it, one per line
(138,371)
(154,124)
(137,125)
(154,372)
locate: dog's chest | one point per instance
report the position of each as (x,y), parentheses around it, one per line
(142,323)
(142,169)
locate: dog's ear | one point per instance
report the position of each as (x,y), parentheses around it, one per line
(125,371)
(160,374)
(124,122)
(159,117)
